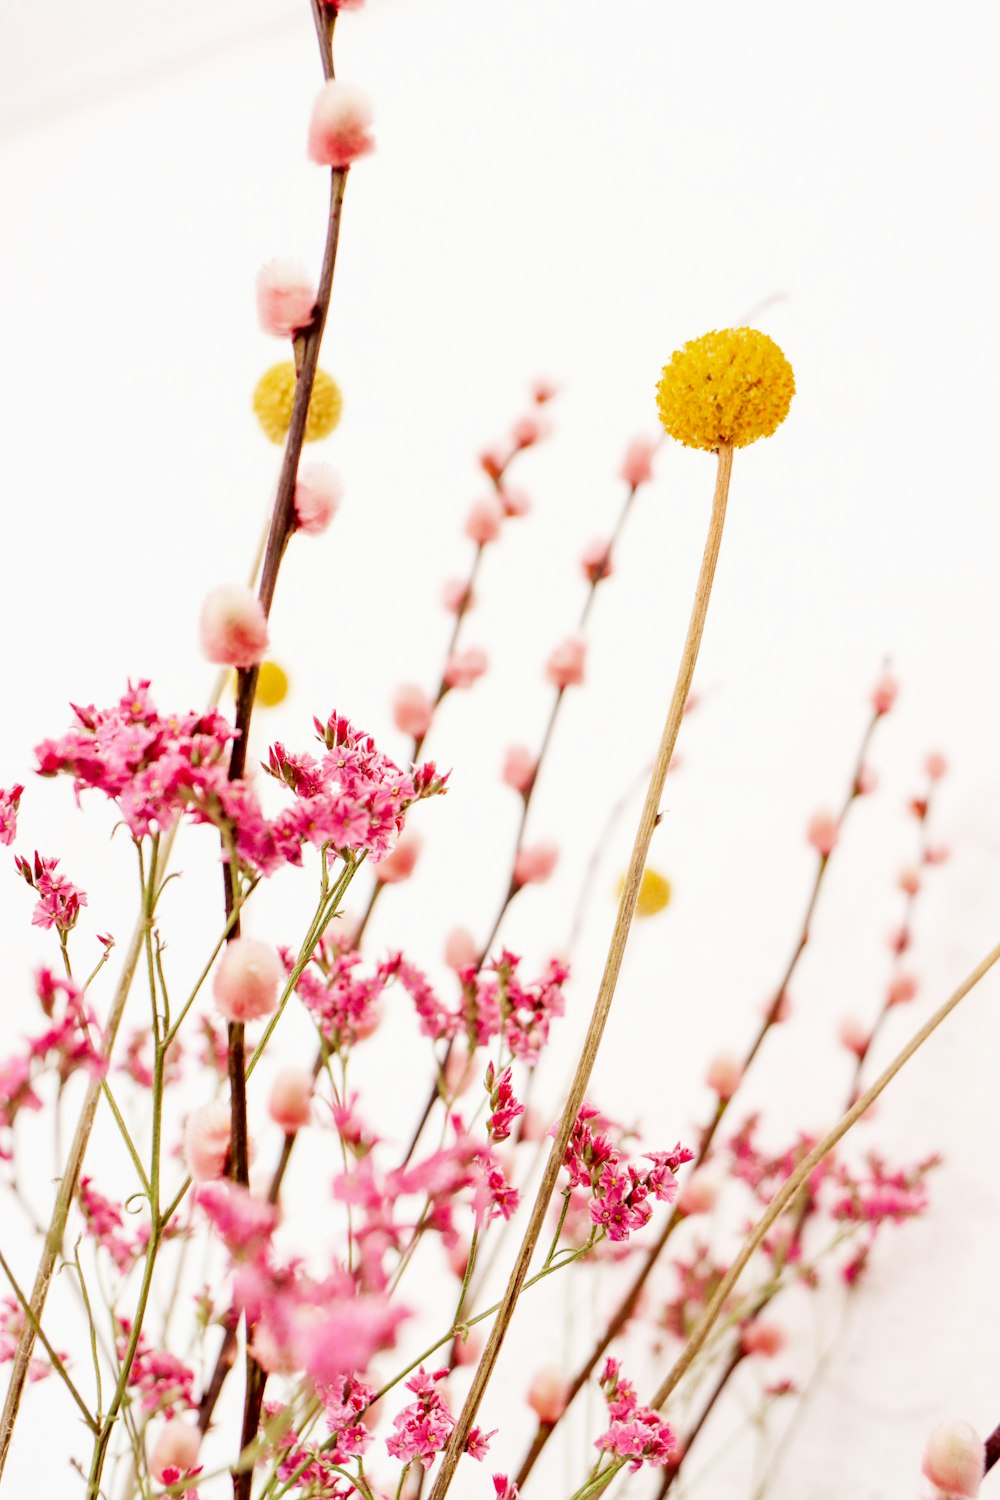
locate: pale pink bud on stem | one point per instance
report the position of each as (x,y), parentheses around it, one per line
(175,1451)
(514,502)
(822,833)
(412,710)
(854,1036)
(456,596)
(936,854)
(909,881)
(637,465)
(762,1338)
(935,765)
(482,524)
(340,128)
(565,666)
(317,498)
(865,782)
(542,391)
(460,949)
(233,627)
(724,1075)
(290,1104)
(519,767)
(466,1351)
(884,694)
(902,989)
(529,430)
(206,1141)
(548,1394)
(463,668)
(493,461)
(698,1194)
(595,560)
(246,980)
(286,297)
(535,864)
(955,1459)
(400,864)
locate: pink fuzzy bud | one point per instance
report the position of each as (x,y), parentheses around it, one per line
(528,431)
(935,765)
(463,668)
(548,1394)
(412,710)
(467,1351)
(519,767)
(902,989)
(317,498)
(460,949)
(698,1194)
(542,391)
(637,465)
(865,782)
(955,1459)
(822,833)
(535,864)
(340,128)
(884,694)
(762,1338)
(936,854)
(564,667)
(175,1451)
(854,1036)
(286,297)
(233,627)
(246,980)
(400,864)
(514,502)
(456,596)
(909,881)
(270,1354)
(290,1104)
(206,1141)
(493,462)
(724,1075)
(595,560)
(482,524)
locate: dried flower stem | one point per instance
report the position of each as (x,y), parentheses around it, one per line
(609,979)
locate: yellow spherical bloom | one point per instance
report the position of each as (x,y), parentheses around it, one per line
(275,393)
(732,386)
(654,893)
(272,684)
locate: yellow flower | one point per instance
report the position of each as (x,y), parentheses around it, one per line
(654,893)
(275,392)
(272,684)
(732,386)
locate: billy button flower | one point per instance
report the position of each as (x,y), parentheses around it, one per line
(726,389)
(275,394)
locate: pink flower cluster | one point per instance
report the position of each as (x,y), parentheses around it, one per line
(165,1384)
(59,900)
(71,1040)
(503,1104)
(424,1427)
(10,801)
(11,1329)
(637,1432)
(620,1192)
(345,1402)
(343,1003)
(105,1225)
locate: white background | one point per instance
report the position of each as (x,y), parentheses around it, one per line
(567,189)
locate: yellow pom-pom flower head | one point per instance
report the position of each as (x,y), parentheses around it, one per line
(272,684)
(729,388)
(275,395)
(654,893)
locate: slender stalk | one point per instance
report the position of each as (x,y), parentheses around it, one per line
(605,994)
(54,1359)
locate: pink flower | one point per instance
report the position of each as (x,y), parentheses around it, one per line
(233,626)
(59,900)
(174,1454)
(10,801)
(317,498)
(412,710)
(484,520)
(519,767)
(246,980)
(564,667)
(286,297)
(935,765)
(548,1394)
(763,1338)
(637,466)
(290,1104)
(902,988)
(955,1459)
(725,1073)
(822,833)
(535,863)
(463,668)
(340,128)
(400,864)
(884,694)
(206,1141)
(595,560)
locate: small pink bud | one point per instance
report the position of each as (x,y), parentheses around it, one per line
(467,1351)
(548,1394)
(456,596)
(822,833)
(902,989)
(698,1194)
(595,560)
(206,1141)
(175,1449)
(535,864)
(884,694)
(865,782)
(528,431)
(290,1104)
(340,128)
(519,767)
(936,854)
(779,1012)
(724,1075)
(955,1459)
(318,493)
(493,462)
(637,466)
(514,502)
(935,765)
(246,980)
(564,667)
(482,524)
(400,864)
(412,710)
(463,668)
(854,1036)
(763,1338)
(233,627)
(909,881)
(286,297)
(899,939)
(460,949)
(542,391)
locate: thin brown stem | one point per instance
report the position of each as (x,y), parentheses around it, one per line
(605,994)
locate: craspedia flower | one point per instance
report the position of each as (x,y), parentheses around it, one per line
(275,394)
(272,684)
(729,387)
(654,893)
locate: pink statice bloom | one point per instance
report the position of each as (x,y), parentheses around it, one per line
(424,1427)
(243,1222)
(59,900)
(105,1225)
(10,801)
(503,1104)
(505,1488)
(636,1432)
(463,668)
(619,1192)
(340,128)
(165,1383)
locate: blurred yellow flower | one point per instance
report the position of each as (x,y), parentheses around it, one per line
(729,387)
(275,393)
(272,684)
(654,893)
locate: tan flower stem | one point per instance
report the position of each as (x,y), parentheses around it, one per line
(786,1194)
(630,1300)
(54,1359)
(609,979)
